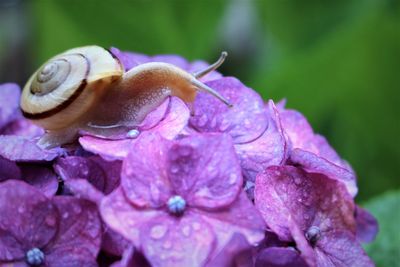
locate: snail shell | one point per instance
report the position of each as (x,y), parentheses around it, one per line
(68,85)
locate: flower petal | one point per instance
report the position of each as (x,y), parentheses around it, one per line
(241,217)
(40,177)
(123,217)
(26,214)
(187,241)
(79,231)
(245,121)
(286,195)
(313,163)
(104,175)
(279,257)
(271,148)
(367,225)
(204,179)
(20,149)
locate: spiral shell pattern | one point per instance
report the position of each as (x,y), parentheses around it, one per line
(66,78)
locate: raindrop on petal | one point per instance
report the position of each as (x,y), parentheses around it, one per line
(158,231)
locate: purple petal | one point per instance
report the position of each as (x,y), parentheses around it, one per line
(79,232)
(267,150)
(313,163)
(279,257)
(288,195)
(204,179)
(241,217)
(367,225)
(9,170)
(144,177)
(27,215)
(237,252)
(21,149)
(184,242)
(9,103)
(81,188)
(303,137)
(40,177)
(245,121)
(132,258)
(129,59)
(113,243)
(104,175)
(22,127)
(333,249)
(123,217)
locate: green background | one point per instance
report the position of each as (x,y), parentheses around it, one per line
(338,62)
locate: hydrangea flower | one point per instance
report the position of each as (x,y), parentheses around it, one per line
(192,185)
(37,231)
(314,211)
(179,203)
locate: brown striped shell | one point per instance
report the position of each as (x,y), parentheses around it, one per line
(67,85)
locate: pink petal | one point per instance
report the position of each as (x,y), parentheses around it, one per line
(186,241)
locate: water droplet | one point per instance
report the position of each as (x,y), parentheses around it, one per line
(174,169)
(224,125)
(202,121)
(77,209)
(21,209)
(158,231)
(167,244)
(196,226)
(186,230)
(213,122)
(247,123)
(65,215)
(297,181)
(134,133)
(232,178)
(50,220)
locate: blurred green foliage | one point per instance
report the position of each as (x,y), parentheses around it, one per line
(385,250)
(337,62)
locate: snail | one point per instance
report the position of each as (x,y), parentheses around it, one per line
(86,88)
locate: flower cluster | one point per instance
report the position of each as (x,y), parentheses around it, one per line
(248,185)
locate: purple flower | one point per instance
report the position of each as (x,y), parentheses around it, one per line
(179,203)
(35,230)
(314,211)
(312,151)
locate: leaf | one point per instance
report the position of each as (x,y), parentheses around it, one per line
(385,250)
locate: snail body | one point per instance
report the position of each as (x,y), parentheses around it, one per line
(87,89)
